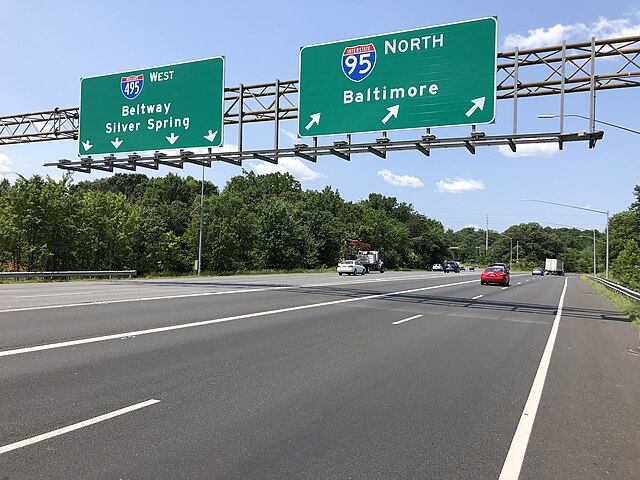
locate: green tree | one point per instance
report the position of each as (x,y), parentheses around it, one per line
(124,183)
(282,240)
(320,212)
(625,266)
(427,242)
(37,227)
(228,233)
(104,240)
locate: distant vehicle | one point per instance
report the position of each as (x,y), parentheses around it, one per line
(369,258)
(472,268)
(451,267)
(351,267)
(553,266)
(503,265)
(495,274)
(462,268)
(537,271)
(436,267)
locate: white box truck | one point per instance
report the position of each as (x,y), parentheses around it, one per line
(553,266)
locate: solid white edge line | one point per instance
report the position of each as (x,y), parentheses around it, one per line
(75,426)
(406,319)
(116,336)
(477,297)
(518,448)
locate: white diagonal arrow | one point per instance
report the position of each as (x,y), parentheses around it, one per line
(478,103)
(116,143)
(87,145)
(212,135)
(393,112)
(315,120)
(172,139)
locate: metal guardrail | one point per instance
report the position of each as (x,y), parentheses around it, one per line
(71,273)
(618,288)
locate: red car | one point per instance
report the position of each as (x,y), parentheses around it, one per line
(495,275)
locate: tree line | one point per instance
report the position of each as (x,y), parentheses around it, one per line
(260,222)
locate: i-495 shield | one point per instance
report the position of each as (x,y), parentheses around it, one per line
(132,86)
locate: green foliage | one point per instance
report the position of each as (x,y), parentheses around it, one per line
(626,266)
(102,234)
(264,222)
(123,183)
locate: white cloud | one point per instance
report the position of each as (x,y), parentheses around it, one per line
(601,28)
(459,185)
(5,168)
(286,165)
(227,147)
(530,150)
(542,37)
(471,225)
(400,180)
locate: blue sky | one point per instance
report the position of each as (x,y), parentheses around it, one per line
(49,46)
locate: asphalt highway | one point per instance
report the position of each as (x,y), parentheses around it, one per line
(402,375)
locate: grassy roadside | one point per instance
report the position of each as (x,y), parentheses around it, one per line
(629,307)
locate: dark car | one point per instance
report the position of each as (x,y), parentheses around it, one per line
(503,265)
(451,267)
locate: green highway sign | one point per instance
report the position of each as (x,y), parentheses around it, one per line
(428,77)
(173,106)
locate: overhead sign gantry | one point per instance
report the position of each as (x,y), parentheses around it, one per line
(428,77)
(547,71)
(173,106)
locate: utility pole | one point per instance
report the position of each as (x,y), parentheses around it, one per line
(510,252)
(594,252)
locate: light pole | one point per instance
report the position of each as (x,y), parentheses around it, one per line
(594,249)
(595,120)
(604,212)
(201,215)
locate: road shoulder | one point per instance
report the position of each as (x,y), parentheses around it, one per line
(587,422)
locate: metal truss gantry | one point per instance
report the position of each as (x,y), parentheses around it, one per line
(555,70)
